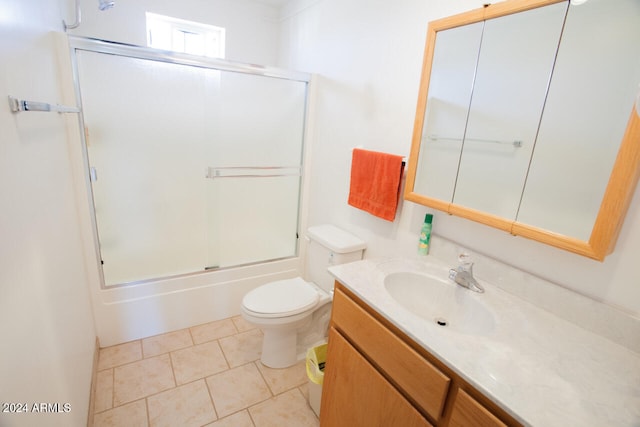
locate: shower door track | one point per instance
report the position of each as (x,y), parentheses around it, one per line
(139,52)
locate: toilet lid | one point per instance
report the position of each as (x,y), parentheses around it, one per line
(281,298)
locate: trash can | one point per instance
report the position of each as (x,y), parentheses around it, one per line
(316,357)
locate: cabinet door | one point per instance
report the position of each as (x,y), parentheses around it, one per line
(468,412)
(594,83)
(453,69)
(356,394)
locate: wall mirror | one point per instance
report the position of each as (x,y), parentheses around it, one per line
(526,120)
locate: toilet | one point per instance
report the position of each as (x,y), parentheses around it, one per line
(294,313)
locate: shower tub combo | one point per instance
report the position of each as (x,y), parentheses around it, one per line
(193,171)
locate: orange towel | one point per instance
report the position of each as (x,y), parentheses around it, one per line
(375,182)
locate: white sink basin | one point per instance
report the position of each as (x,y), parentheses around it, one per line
(441,301)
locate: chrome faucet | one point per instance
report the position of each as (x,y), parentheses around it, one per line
(463,275)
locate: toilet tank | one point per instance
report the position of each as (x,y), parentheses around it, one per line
(329,245)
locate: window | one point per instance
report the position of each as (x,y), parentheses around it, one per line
(178,35)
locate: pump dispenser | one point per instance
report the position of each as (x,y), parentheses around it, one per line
(425,235)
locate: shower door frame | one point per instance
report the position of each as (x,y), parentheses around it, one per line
(77,43)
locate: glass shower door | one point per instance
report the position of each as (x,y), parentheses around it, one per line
(255,169)
(162,140)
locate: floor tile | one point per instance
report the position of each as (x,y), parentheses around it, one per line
(304,389)
(104,391)
(185,406)
(281,380)
(165,343)
(208,374)
(237,389)
(241,324)
(119,355)
(141,379)
(131,415)
(289,409)
(213,331)
(197,362)
(242,348)
(239,419)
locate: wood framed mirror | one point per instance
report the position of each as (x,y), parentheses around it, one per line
(526,121)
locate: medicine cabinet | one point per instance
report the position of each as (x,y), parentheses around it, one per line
(526,121)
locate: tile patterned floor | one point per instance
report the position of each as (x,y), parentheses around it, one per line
(207,375)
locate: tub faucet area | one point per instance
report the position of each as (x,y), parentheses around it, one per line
(463,274)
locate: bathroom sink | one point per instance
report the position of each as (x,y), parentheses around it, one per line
(440,301)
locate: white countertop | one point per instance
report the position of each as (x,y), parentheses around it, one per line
(543,370)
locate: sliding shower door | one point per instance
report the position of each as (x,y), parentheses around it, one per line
(254,173)
(191,167)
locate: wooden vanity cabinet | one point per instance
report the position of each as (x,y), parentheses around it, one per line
(375,375)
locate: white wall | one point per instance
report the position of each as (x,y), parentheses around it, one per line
(251,27)
(48,336)
(368,54)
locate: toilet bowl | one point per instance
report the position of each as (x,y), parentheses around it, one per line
(294,311)
(280,309)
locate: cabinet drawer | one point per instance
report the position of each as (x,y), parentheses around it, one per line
(411,373)
(468,412)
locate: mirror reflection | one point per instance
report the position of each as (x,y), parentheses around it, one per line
(594,84)
(514,67)
(454,63)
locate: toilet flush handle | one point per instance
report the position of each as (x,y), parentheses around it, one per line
(331,261)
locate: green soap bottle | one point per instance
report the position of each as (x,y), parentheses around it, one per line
(425,235)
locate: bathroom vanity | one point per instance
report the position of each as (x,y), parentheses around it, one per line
(408,347)
(431,390)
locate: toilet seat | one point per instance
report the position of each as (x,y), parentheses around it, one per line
(281,298)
